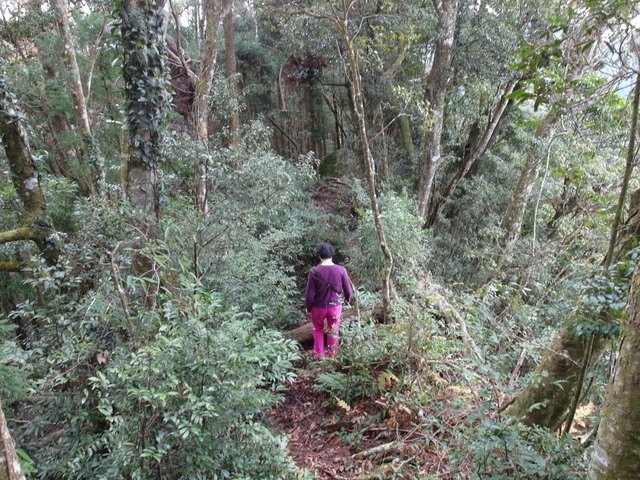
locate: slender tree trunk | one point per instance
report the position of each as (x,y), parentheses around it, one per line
(514,214)
(370,167)
(616,455)
(447,12)
(477,151)
(90,147)
(213,17)
(9,463)
(228,24)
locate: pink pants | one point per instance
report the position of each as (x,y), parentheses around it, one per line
(332,318)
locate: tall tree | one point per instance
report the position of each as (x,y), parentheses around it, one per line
(578,50)
(436,91)
(144,68)
(231,68)
(143,27)
(90,148)
(214,13)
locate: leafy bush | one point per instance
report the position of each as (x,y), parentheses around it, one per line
(12,362)
(187,403)
(408,241)
(505,450)
(247,247)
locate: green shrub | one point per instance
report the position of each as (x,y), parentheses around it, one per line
(505,450)
(186,404)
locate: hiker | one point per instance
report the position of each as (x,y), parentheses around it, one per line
(325,284)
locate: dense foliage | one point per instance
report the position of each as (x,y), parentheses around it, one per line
(109,372)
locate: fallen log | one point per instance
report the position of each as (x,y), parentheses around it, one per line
(303,334)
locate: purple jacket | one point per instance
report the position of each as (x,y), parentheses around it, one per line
(319,294)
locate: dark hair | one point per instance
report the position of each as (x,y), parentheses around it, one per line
(325,250)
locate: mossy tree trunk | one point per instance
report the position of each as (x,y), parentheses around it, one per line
(546,400)
(35,225)
(144,68)
(616,455)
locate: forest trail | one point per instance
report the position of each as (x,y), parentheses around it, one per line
(364,440)
(313,445)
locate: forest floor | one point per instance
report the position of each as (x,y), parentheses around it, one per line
(368,439)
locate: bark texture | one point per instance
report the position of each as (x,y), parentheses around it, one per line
(231,67)
(9,463)
(546,401)
(616,455)
(143,30)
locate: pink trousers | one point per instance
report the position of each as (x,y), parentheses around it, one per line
(325,321)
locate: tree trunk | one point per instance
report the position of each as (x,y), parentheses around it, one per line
(370,166)
(514,214)
(616,455)
(476,152)
(143,29)
(90,150)
(405,141)
(447,12)
(9,463)
(144,68)
(228,25)
(35,225)
(546,400)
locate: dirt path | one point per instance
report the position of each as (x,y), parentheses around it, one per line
(313,446)
(321,435)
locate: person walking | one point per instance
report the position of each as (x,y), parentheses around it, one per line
(325,284)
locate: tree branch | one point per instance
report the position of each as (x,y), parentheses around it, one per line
(22,233)
(15,266)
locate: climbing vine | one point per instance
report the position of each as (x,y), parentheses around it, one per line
(144,63)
